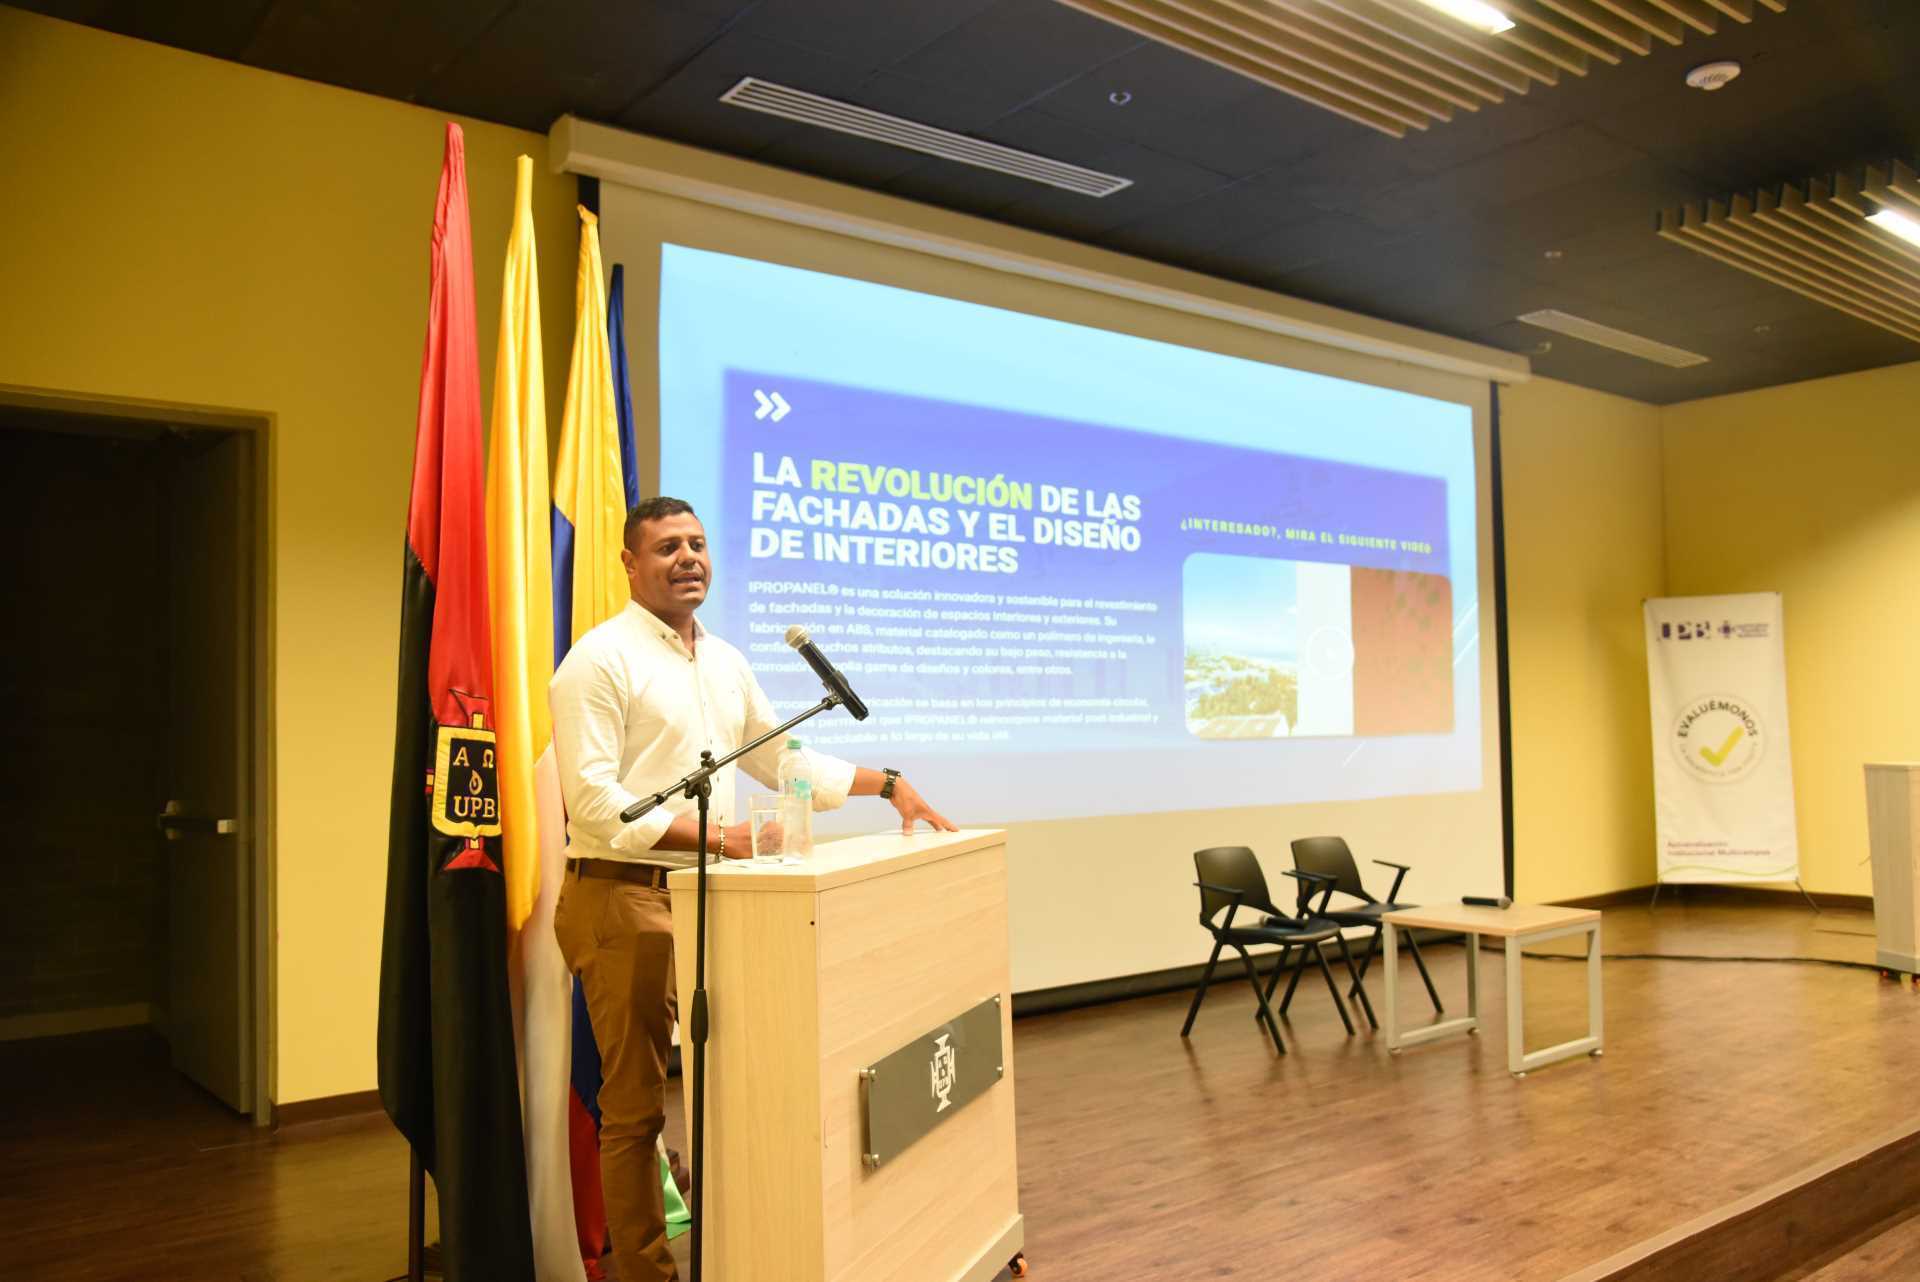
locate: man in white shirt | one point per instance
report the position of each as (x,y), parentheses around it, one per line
(635,702)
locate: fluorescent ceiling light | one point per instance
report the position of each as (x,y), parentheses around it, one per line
(1899,224)
(1481,17)
(1619,340)
(755,94)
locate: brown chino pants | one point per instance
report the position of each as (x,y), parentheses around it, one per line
(617,938)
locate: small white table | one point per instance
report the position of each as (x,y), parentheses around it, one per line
(1519,925)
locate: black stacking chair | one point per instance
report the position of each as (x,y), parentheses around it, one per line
(1230,879)
(1329,861)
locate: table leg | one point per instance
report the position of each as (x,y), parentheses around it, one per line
(1516,1011)
(1392,981)
(1473,982)
(1594,1013)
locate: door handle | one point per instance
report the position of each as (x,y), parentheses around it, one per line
(175,823)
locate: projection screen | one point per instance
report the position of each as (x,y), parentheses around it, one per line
(1124,580)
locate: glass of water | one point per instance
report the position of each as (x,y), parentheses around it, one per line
(763,810)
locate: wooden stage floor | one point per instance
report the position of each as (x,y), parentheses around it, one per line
(1142,1156)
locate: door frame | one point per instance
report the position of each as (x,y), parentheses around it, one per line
(259,427)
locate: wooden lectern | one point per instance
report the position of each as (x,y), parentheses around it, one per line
(816,973)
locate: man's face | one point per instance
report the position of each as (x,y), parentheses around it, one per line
(667,565)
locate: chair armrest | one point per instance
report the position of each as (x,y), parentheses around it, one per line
(1393,896)
(1221,890)
(1309,881)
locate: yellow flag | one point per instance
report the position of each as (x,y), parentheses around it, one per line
(589,499)
(519,556)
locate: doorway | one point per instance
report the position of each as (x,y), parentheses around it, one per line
(133,674)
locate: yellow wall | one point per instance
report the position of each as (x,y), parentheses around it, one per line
(1582,483)
(1813,490)
(191,231)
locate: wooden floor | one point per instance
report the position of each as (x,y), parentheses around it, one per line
(1143,1156)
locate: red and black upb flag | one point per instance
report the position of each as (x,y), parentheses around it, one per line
(447,1070)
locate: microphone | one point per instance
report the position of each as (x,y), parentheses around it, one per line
(830,676)
(1487,901)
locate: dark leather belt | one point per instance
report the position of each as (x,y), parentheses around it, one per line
(621,870)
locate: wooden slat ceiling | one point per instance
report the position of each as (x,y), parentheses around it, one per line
(1816,241)
(1395,65)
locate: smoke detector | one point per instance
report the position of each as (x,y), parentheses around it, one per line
(1713,75)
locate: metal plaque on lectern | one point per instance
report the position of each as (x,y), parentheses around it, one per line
(928,1080)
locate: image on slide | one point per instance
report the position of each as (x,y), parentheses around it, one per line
(1294,649)
(1242,620)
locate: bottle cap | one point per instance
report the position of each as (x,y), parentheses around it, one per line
(793,743)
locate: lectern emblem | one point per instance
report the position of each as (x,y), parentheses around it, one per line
(945,1071)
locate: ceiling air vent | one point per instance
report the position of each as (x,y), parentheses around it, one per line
(843,117)
(1618,339)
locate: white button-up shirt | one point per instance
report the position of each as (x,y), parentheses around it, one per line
(633,709)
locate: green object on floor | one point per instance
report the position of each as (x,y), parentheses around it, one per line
(679,1218)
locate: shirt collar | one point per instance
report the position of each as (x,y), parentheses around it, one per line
(654,624)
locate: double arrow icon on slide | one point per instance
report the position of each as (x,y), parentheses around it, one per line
(771,404)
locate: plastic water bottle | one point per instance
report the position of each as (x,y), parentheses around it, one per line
(796,801)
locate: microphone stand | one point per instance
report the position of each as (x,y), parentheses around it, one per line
(697,785)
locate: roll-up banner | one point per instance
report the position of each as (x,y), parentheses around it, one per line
(1722,763)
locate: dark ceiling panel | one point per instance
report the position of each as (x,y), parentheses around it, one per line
(1161,91)
(541,61)
(876,32)
(1274,256)
(1226,216)
(1249,136)
(1556,159)
(371,45)
(1547,199)
(220,28)
(1018,51)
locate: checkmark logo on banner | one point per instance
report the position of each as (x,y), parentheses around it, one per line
(1719,757)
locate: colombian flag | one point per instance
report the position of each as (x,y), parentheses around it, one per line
(589,498)
(589,521)
(446,1053)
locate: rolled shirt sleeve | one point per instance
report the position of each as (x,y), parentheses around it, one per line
(589,704)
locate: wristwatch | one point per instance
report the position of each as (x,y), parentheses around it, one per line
(886,789)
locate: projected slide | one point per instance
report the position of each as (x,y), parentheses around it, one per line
(1072,571)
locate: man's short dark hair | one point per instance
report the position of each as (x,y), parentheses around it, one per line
(660,505)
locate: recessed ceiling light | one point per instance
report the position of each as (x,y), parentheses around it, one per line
(1899,224)
(1478,15)
(1713,75)
(1763,329)
(1554,255)
(1119,97)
